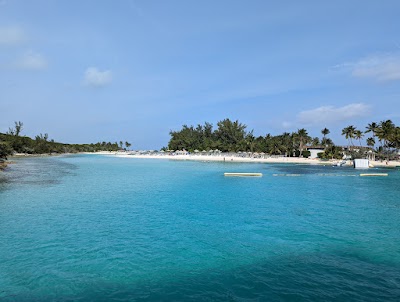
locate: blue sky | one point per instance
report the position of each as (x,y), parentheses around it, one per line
(88,71)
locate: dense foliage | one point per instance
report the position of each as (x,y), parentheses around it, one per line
(386,132)
(12,142)
(5,150)
(231,136)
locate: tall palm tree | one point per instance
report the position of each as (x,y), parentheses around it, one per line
(372,128)
(358,135)
(394,138)
(303,138)
(348,132)
(384,130)
(324,140)
(325,132)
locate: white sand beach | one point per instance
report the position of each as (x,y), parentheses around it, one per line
(234,158)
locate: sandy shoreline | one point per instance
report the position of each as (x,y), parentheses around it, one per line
(221,158)
(231,158)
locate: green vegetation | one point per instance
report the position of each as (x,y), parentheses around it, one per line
(231,136)
(387,133)
(12,142)
(5,150)
(331,152)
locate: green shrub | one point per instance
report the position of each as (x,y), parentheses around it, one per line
(306,154)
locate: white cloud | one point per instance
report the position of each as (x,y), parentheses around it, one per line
(381,67)
(97,78)
(11,36)
(330,114)
(31,61)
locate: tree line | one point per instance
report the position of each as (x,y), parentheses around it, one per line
(231,136)
(12,142)
(385,133)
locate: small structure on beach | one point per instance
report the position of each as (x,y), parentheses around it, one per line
(360,163)
(314,150)
(371,155)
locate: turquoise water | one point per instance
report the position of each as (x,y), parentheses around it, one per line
(93,228)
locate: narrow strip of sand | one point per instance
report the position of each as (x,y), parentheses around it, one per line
(232,158)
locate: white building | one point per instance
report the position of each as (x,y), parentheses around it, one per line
(314,151)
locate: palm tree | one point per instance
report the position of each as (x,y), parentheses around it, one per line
(372,128)
(325,132)
(303,138)
(326,142)
(349,132)
(384,132)
(287,142)
(315,141)
(275,146)
(358,135)
(250,141)
(371,142)
(394,138)
(127,145)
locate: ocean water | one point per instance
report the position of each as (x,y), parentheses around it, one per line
(97,228)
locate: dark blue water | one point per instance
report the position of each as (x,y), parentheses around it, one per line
(93,228)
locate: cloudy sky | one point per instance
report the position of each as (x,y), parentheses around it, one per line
(88,71)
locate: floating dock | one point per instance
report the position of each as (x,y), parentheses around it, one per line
(238,174)
(374,174)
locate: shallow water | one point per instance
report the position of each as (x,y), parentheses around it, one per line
(96,228)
